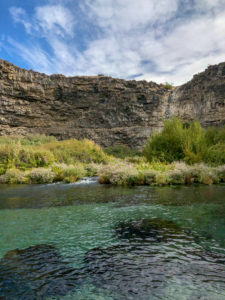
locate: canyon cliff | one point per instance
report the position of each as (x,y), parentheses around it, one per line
(104,109)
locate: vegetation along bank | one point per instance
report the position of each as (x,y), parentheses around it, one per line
(180,154)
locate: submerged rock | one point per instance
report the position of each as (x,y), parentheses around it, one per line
(36,272)
(152,256)
(148,271)
(154,230)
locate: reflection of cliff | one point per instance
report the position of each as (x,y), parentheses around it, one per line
(101,108)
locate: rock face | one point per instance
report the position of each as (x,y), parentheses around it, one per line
(104,109)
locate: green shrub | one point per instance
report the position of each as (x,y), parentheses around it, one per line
(215,155)
(13,176)
(92,169)
(220,171)
(72,151)
(33,158)
(168,86)
(122,151)
(194,143)
(8,155)
(166,146)
(191,144)
(119,174)
(150,176)
(176,177)
(14,155)
(41,175)
(68,173)
(215,135)
(162,178)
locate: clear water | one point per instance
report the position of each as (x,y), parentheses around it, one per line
(86,241)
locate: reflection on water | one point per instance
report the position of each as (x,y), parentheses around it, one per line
(87,241)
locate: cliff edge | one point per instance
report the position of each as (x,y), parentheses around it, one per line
(104,109)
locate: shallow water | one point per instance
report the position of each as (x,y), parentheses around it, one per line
(89,241)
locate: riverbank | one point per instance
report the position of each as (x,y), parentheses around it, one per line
(180,154)
(119,172)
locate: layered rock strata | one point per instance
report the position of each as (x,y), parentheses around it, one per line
(104,109)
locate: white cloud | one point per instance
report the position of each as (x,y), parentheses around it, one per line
(19,16)
(34,55)
(55,18)
(125,15)
(166,40)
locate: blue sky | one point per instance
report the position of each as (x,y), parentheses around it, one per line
(158,40)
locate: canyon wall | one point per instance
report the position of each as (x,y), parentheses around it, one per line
(104,109)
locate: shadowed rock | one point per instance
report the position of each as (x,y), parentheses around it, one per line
(154,230)
(36,272)
(138,268)
(144,271)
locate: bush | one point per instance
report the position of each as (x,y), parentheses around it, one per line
(68,173)
(161,178)
(215,135)
(33,158)
(119,174)
(41,175)
(220,171)
(177,177)
(191,143)
(92,169)
(13,176)
(150,176)
(166,146)
(72,151)
(8,154)
(14,155)
(178,173)
(194,143)
(215,155)
(168,86)
(122,151)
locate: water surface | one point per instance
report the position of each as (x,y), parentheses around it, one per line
(89,241)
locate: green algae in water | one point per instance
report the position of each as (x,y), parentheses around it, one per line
(187,263)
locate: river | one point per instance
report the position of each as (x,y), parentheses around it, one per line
(89,241)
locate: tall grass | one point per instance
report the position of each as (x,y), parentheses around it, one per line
(71,151)
(41,159)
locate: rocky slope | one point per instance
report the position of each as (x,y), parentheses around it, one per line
(104,109)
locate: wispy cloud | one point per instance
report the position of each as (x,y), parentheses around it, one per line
(34,55)
(166,40)
(55,18)
(19,15)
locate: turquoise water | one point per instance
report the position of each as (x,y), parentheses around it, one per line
(89,241)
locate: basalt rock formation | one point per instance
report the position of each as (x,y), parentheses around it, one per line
(104,109)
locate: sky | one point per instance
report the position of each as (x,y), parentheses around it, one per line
(153,40)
